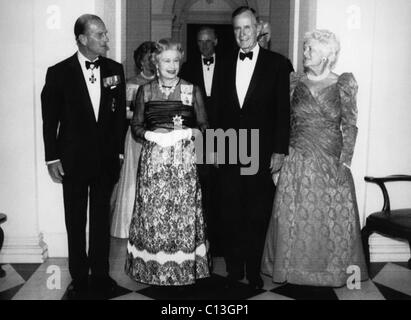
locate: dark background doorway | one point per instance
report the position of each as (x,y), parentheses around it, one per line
(225,34)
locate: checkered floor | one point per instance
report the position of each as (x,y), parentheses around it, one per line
(49,281)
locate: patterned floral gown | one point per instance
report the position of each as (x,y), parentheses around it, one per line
(167,243)
(314,232)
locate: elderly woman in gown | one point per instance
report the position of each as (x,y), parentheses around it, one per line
(314,232)
(167,242)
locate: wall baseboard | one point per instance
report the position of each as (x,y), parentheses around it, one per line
(385,249)
(54,245)
(24,250)
(57,243)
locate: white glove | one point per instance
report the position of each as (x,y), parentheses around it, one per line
(168,139)
(153,136)
(181,134)
(158,138)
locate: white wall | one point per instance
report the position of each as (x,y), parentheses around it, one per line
(18,190)
(374,36)
(161,20)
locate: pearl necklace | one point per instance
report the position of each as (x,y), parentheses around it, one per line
(322,76)
(167,90)
(147,77)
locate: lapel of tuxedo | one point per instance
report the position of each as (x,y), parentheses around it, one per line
(201,74)
(214,82)
(80,87)
(256,77)
(233,84)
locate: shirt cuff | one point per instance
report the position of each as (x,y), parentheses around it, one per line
(53,161)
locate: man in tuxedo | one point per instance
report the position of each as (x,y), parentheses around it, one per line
(83,109)
(205,71)
(256,97)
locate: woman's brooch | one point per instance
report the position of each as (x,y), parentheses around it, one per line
(178,122)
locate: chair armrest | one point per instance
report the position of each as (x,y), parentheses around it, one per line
(396,177)
(380,181)
(3,218)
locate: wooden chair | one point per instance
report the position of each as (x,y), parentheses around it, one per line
(3,218)
(391,223)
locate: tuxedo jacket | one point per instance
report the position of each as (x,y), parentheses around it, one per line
(192,71)
(86,147)
(266,106)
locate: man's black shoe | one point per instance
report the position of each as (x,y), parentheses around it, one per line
(77,290)
(232,280)
(256,282)
(210,262)
(234,277)
(102,285)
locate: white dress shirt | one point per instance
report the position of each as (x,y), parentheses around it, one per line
(208,73)
(245,70)
(94,89)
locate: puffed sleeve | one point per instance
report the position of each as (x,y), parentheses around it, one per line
(137,122)
(199,109)
(348,88)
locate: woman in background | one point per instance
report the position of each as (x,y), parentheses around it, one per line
(167,243)
(123,196)
(314,233)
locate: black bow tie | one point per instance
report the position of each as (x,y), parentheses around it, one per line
(92,65)
(208,61)
(246,55)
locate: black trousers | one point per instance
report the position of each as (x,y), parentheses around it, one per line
(246,209)
(78,193)
(208,176)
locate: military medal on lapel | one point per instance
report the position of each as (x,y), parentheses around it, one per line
(111,82)
(187,94)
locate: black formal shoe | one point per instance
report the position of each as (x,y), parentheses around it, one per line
(77,290)
(235,277)
(102,285)
(232,280)
(2,272)
(210,262)
(256,282)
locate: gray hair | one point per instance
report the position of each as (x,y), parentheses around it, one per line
(167,44)
(329,41)
(208,29)
(80,26)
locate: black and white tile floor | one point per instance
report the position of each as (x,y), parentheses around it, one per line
(389,281)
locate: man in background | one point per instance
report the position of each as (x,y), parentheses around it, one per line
(205,70)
